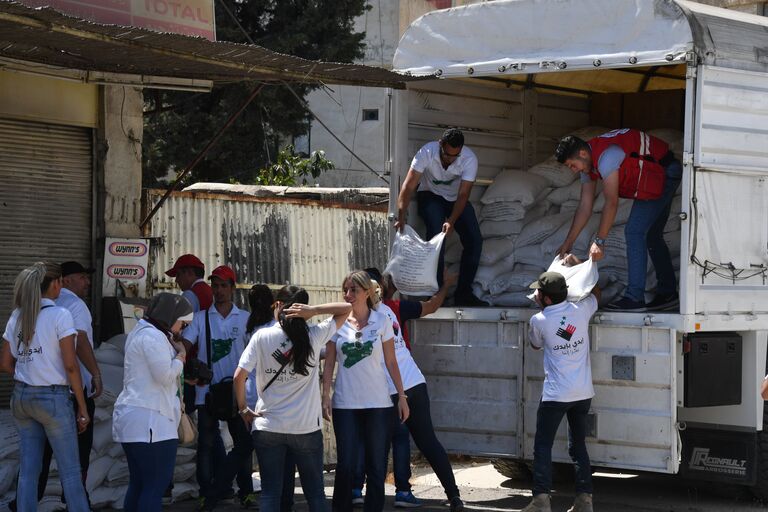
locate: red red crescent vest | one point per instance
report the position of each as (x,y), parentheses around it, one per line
(394,305)
(641,176)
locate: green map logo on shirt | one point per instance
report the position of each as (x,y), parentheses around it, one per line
(443,182)
(221,348)
(356,352)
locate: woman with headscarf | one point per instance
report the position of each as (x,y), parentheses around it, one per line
(39,350)
(147,411)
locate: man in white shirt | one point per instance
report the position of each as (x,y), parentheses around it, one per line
(562,330)
(227,326)
(444,172)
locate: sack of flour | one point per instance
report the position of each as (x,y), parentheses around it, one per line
(413,262)
(580,278)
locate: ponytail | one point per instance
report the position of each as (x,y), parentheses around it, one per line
(296,328)
(28,289)
(260,301)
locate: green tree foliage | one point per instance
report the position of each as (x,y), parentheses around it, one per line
(178,125)
(290,168)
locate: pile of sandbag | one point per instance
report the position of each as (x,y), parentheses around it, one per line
(525,216)
(107,480)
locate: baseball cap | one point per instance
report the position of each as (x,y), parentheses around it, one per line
(551,283)
(72,267)
(184,261)
(223,272)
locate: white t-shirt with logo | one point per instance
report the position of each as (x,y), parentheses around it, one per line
(291,404)
(40,363)
(227,343)
(83,322)
(409,371)
(361,377)
(251,392)
(441,181)
(563,331)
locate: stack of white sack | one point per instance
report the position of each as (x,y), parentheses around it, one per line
(107,480)
(517,249)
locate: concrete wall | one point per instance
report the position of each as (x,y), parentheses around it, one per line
(119,161)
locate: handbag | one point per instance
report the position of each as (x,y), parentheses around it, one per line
(187,430)
(220,401)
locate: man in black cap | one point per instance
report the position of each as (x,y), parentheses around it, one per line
(562,330)
(77,282)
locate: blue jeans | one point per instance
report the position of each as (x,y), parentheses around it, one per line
(218,468)
(151,470)
(278,451)
(42,412)
(401,457)
(548,419)
(434,210)
(644,234)
(374,426)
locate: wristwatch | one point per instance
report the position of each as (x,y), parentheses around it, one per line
(599,241)
(243,410)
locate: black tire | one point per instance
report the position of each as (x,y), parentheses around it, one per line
(513,469)
(760,489)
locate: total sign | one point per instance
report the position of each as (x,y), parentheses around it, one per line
(125,267)
(188,17)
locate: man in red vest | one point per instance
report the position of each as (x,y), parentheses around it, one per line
(638,166)
(189,272)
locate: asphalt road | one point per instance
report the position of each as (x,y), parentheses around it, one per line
(484,489)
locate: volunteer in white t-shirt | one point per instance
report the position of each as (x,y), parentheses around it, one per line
(147,411)
(39,350)
(286,423)
(227,324)
(444,172)
(364,348)
(562,330)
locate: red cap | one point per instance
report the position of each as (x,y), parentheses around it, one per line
(184,261)
(225,273)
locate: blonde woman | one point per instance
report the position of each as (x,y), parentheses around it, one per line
(362,408)
(39,350)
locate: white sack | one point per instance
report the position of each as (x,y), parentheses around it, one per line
(512,185)
(530,255)
(580,245)
(506,210)
(495,249)
(513,281)
(487,273)
(491,228)
(183,472)
(109,354)
(97,472)
(413,262)
(184,454)
(580,278)
(570,192)
(556,174)
(535,232)
(118,341)
(569,207)
(8,471)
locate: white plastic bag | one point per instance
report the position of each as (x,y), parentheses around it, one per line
(413,262)
(580,278)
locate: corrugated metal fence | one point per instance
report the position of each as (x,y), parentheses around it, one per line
(312,240)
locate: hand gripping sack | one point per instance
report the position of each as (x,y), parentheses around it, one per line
(580,278)
(413,262)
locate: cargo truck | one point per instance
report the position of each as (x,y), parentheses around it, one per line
(676,392)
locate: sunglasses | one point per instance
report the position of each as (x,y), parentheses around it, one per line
(358,336)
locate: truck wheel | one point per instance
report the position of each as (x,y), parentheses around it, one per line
(760,489)
(514,469)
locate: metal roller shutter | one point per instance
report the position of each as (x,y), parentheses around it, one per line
(46,172)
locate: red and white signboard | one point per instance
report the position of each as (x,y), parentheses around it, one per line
(125,267)
(188,17)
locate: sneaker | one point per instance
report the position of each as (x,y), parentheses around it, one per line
(469,301)
(582,503)
(539,503)
(249,500)
(627,305)
(456,504)
(664,302)
(357,497)
(406,500)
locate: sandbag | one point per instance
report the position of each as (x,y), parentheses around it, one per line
(538,230)
(97,472)
(495,249)
(570,192)
(491,228)
(184,454)
(413,262)
(506,210)
(109,354)
(102,436)
(513,185)
(580,278)
(513,281)
(107,496)
(487,273)
(556,174)
(182,472)
(530,255)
